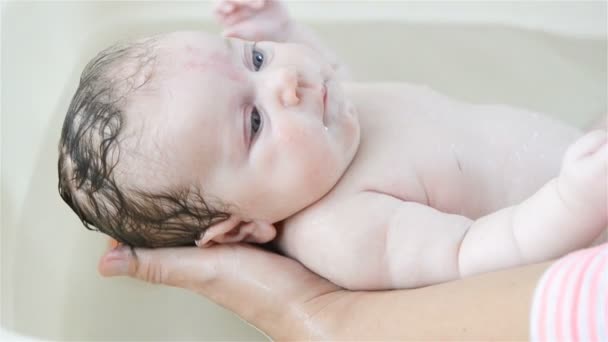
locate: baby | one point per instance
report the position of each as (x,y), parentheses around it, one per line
(190,138)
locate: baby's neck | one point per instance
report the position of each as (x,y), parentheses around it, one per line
(362,96)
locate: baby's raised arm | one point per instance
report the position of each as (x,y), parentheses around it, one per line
(566,214)
(406,244)
(269,20)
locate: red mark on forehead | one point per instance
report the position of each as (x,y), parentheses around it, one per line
(215,61)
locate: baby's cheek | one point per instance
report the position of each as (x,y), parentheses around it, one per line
(290,134)
(311,161)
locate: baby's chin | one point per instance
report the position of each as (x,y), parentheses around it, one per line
(350,131)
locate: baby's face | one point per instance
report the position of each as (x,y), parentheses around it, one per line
(249,125)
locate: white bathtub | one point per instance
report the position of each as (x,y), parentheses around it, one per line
(549,57)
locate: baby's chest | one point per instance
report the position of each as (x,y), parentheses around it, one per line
(413,165)
(429,153)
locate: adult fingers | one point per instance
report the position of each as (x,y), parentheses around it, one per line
(167,266)
(264,288)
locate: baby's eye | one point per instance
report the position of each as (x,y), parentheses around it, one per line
(256,122)
(257,57)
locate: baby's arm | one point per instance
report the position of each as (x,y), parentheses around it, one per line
(269,20)
(406,244)
(566,214)
(302,34)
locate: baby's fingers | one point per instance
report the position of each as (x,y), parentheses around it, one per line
(227,6)
(255,4)
(234,11)
(223,7)
(247,30)
(585,146)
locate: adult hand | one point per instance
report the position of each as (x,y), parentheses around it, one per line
(276,294)
(288,302)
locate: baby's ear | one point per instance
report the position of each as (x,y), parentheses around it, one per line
(234,230)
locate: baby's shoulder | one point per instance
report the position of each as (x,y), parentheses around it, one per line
(327,211)
(333,222)
(326,238)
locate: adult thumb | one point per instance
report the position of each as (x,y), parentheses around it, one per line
(266,289)
(168,266)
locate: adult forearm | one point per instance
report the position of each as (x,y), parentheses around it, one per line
(485,307)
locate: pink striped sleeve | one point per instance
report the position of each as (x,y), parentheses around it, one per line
(571,300)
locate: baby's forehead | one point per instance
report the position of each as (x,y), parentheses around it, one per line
(190,44)
(192,71)
(192,85)
(160,56)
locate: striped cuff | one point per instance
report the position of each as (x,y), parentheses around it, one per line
(571,300)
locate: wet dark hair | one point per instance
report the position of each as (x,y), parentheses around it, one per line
(89,151)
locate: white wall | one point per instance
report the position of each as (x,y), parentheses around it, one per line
(580,18)
(564,17)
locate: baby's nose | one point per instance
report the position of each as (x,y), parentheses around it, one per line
(288,86)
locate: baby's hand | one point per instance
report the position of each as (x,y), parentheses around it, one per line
(254,19)
(583,180)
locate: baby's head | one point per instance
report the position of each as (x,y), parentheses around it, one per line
(187,133)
